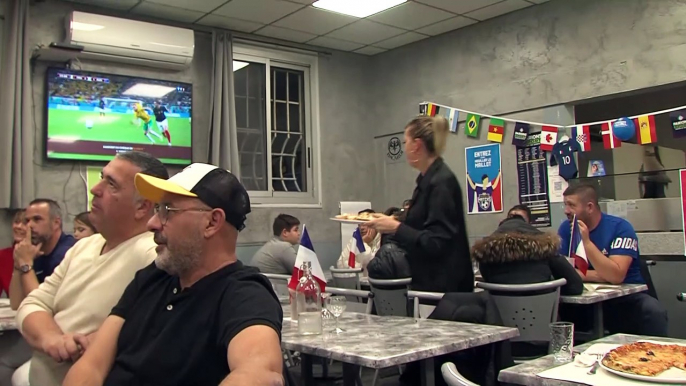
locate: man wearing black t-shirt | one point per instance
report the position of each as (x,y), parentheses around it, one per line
(196,316)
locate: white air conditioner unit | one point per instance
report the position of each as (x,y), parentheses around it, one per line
(109,38)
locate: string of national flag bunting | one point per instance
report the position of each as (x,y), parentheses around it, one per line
(614,131)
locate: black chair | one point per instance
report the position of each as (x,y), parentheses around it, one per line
(645,265)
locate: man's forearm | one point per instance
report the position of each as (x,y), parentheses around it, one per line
(605,268)
(250,378)
(83,374)
(29,282)
(16,292)
(21,285)
(37,326)
(593,277)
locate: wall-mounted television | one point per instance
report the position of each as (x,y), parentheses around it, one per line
(92,116)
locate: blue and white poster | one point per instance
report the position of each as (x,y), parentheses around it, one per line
(484,177)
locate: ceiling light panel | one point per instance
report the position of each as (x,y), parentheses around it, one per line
(357,8)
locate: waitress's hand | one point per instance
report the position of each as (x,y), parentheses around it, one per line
(384,224)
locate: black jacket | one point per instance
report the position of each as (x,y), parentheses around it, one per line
(390,262)
(518,253)
(434,234)
(479,364)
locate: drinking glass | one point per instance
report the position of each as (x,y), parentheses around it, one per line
(327,316)
(336,305)
(561,341)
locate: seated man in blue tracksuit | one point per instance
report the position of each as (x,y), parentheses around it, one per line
(612,250)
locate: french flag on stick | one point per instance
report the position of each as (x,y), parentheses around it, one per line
(576,248)
(306,253)
(356,247)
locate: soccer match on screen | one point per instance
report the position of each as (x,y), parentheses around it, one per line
(95,116)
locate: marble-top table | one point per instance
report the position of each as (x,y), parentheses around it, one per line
(7,316)
(384,341)
(596,299)
(604,293)
(525,374)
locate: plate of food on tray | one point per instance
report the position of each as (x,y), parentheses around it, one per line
(355,218)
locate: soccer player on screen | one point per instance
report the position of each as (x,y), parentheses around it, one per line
(161,119)
(140,114)
(101,106)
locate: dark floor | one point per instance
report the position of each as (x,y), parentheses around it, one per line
(388,377)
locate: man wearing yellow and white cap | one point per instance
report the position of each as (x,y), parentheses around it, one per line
(197,315)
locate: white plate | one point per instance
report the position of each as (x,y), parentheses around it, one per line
(346,221)
(671,376)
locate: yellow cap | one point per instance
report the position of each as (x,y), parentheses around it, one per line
(153,188)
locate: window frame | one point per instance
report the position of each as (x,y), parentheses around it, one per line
(308,63)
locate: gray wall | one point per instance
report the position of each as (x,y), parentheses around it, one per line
(551,54)
(527,61)
(345,147)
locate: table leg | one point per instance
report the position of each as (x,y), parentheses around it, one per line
(598,322)
(427,371)
(351,374)
(306,370)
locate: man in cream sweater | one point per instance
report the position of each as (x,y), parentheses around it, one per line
(197,316)
(61,317)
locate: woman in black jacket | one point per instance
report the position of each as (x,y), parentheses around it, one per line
(518,253)
(434,233)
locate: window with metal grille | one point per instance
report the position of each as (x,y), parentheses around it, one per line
(275,115)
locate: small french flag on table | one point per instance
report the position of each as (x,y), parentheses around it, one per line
(356,247)
(576,248)
(306,253)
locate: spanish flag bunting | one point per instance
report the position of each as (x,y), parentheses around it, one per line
(645,129)
(496,129)
(471,126)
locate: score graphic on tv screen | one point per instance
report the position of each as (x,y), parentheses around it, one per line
(92,117)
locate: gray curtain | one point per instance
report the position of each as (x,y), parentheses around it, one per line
(223,132)
(16,123)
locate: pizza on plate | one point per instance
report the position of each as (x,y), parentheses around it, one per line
(645,358)
(366,216)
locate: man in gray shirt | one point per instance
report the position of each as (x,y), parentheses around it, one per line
(278,254)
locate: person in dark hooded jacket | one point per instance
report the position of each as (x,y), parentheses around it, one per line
(518,253)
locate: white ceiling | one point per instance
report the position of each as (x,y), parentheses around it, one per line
(298,21)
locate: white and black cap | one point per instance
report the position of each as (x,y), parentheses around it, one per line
(217,188)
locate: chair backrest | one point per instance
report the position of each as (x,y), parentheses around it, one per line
(528,307)
(355,306)
(279,283)
(453,377)
(390,296)
(346,278)
(424,310)
(645,265)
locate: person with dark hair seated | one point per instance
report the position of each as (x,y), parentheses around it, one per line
(83,227)
(278,254)
(406,204)
(371,240)
(520,210)
(43,249)
(518,253)
(613,253)
(394,211)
